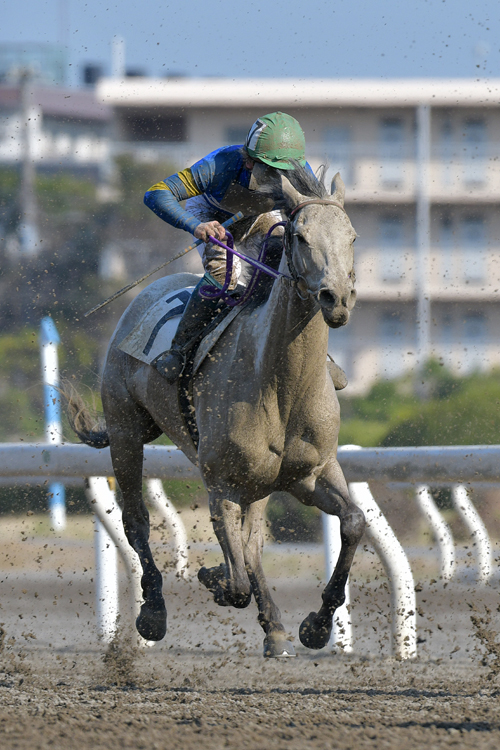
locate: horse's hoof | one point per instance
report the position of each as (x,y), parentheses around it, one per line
(211,578)
(278,647)
(239,601)
(315,632)
(151,623)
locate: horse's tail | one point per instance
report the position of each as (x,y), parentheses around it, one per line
(84,421)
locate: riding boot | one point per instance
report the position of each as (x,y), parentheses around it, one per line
(198,314)
(338,376)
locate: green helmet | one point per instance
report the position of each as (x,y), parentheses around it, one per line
(275,139)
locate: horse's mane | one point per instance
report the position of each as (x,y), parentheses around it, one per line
(307,183)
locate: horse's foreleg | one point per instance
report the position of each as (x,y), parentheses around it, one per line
(228,582)
(127,456)
(330,495)
(276,642)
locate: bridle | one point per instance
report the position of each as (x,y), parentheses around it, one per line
(288,224)
(259,265)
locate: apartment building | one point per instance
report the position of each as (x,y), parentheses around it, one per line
(64,129)
(420,159)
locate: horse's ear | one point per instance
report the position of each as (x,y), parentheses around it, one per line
(292,197)
(338,189)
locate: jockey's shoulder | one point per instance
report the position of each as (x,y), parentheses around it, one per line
(230,154)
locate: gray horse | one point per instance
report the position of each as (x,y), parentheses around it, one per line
(266,411)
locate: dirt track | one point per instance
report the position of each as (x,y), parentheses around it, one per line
(207,685)
(247,703)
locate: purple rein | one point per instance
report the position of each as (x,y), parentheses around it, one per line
(259,265)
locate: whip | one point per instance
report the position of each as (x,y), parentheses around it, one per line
(114,296)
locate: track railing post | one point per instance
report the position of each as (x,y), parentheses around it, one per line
(397,568)
(440,529)
(477,530)
(162,504)
(396,565)
(106,583)
(342,627)
(104,505)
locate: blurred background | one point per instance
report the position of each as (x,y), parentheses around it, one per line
(97,104)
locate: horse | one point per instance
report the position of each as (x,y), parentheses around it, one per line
(267,415)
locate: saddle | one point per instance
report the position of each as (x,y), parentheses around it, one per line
(153,335)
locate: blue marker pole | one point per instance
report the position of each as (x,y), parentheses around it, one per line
(49,340)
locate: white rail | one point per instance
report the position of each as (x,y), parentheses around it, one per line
(423,465)
(163,505)
(108,512)
(440,529)
(397,567)
(107,592)
(342,625)
(477,530)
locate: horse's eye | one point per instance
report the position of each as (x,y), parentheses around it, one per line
(301,240)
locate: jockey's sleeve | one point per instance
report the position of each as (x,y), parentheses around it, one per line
(164,200)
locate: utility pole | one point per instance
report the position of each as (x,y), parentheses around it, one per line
(423,225)
(28,226)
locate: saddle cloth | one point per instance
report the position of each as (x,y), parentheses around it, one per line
(154,332)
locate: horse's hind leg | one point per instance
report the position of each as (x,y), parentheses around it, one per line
(276,642)
(129,427)
(331,496)
(228,582)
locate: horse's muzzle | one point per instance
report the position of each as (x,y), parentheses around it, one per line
(336,318)
(335,311)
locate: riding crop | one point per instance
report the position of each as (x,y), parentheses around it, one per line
(114,296)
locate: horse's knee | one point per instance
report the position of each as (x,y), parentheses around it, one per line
(352,525)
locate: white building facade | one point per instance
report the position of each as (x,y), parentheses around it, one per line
(66,129)
(421,163)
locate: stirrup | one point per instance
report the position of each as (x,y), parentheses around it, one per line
(170,364)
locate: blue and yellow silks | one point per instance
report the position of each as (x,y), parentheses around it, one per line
(210,177)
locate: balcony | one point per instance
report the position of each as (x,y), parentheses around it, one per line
(464,274)
(375,173)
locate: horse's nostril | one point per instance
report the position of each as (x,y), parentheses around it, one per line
(327,299)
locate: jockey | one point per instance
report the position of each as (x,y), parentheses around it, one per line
(215,188)
(220,179)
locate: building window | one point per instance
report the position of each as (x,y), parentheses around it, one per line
(474,337)
(446,151)
(474,328)
(391,243)
(393,340)
(446,330)
(391,152)
(155,127)
(391,328)
(473,249)
(446,241)
(474,152)
(338,149)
